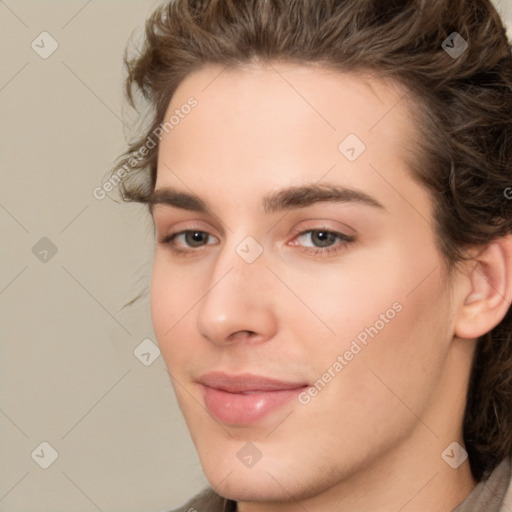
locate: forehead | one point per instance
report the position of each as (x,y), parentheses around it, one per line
(259,127)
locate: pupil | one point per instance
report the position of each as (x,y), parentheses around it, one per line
(195,238)
(324,238)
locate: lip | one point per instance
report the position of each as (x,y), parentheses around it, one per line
(245,398)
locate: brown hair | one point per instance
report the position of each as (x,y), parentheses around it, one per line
(463,109)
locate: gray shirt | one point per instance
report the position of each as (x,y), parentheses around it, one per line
(491,495)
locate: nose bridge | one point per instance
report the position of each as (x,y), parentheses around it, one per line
(237,297)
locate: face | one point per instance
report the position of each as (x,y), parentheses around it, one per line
(297,296)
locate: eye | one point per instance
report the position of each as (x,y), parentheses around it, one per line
(322,241)
(184,241)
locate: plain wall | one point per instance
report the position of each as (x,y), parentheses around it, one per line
(68,373)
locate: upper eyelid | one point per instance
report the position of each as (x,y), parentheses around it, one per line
(317,224)
(320,226)
(166,215)
(165,226)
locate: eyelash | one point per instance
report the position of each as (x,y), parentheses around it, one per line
(344,241)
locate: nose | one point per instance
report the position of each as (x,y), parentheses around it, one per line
(238,305)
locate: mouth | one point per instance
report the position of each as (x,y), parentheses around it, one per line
(244,399)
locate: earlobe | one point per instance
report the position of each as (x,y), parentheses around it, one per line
(490,290)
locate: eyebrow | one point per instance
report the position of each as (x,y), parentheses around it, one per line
(280,200)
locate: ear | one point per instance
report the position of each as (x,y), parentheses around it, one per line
(488,294)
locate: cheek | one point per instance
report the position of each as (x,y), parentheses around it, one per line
(339,304)
(371,399)
(172,300)
(350,296)
(400,362)
(162,299)
(390,323)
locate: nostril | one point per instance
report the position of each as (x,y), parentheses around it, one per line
(240,335)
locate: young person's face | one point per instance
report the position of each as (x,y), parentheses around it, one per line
(366,313)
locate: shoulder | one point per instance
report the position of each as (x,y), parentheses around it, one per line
(205,500)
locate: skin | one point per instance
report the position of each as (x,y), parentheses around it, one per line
(372,438)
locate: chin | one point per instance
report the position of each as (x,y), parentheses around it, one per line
(248,485)
(271,479)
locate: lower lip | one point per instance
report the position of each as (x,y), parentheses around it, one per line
(240,409)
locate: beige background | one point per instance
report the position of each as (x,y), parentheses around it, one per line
(68,373)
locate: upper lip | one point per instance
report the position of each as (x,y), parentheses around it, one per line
(245,382)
